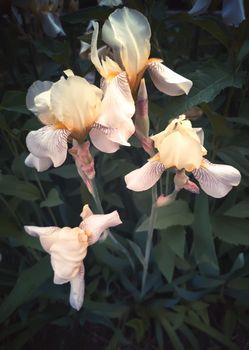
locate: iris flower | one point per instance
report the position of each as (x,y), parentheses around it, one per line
(68,247)
(127,33)
(181,147)
(68,107)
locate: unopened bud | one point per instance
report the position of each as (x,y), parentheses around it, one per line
(142,123)
(83,160)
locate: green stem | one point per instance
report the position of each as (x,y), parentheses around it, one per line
(149,237)
(108,232)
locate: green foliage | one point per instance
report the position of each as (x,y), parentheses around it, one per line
(197,290)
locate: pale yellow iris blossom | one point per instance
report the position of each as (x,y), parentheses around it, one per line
(181,147)
(68,247)
(69,106)
(127,33)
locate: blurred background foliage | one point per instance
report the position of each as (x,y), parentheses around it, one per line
(197,291)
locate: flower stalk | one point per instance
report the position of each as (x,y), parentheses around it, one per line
(149,238)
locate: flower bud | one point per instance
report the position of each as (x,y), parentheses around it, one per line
(142,123)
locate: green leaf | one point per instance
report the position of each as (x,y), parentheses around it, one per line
(53,199)
(219,122)
(240,210)
(203,244)
(208,82)
(210,331)
(58,51)
(67,171)
(176,213)
(139,327)
(11,186)
(212,26)
(165,258)
(111,310)
(175,238)
(241,283)
(175,340)
(137,250)
(231,230)
(28,282)
(14,101)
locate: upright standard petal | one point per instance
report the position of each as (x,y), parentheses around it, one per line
(77,290)
(180,151)
(128,33)
(76,104)
(40,164)
(167,81)
(38,101)
(48,142)
(217,179)
(145,177)
(95,225)
(117,109)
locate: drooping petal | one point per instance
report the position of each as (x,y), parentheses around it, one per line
(101,141)
(217,179)
(37,231)
(167,81)
(233,12)
(95,225)
(200,7)
(38,101)
(67,252)
(145,177)
(117,109)
(76,104)
(49,142)
(77,290)
(128,33)
(51,24)
(40,164)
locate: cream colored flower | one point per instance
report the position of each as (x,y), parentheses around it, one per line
(68,247)
(127,33)
(180,146)
(68,107)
